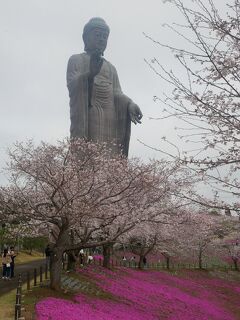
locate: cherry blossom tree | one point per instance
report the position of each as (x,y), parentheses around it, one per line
(142,241)
(206,93)
(85,196)
(200,235)
(157,234)
(233,249)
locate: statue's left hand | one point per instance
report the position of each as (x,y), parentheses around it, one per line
(135,113)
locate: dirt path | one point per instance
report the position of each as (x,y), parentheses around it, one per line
(8,285)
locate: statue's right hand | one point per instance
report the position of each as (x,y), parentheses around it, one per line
(96,62)
(135,113)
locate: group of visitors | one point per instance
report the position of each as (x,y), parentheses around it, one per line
(8,258)
(132,261)
(85,257)
(82,258)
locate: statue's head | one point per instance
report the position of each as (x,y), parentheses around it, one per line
(95,35)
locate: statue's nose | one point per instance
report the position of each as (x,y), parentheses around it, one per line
(102,41)
(102,37)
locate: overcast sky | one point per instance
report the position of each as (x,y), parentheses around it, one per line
(38,37)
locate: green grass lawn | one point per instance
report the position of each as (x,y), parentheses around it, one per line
(25,257)
(7,302)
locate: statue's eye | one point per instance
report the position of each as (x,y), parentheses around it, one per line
(101,35)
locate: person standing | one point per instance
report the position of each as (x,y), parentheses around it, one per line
(90,259)
(133,261)
(48,255)
(6,263)
(81,257)
(124,259)
(12,264)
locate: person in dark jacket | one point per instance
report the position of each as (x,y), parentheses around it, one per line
(12,264)
(48,255)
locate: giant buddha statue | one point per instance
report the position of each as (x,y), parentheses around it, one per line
(99,110)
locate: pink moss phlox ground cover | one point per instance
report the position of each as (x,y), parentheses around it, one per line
(144,295)
(98,257)
(86,309)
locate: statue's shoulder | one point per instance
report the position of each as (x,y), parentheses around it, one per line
(110,65)
(78,62)
(78,57)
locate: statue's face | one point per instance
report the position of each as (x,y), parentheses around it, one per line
(97,40)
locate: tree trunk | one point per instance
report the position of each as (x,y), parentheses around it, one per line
(55,270)
(106,255)
(168,262)
(71,262)
(200,259)
(235,261)
(56,257)
(140,263)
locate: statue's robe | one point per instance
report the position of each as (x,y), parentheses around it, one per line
(105,118)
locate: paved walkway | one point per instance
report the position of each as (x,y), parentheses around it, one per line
(8,285)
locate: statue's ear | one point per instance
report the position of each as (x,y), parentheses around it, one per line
(84,41)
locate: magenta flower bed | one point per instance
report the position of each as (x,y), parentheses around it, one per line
(147,295)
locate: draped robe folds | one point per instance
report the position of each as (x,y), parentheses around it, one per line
(105,118)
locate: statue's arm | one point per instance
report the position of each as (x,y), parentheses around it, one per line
(133,109)
(75,73)
(118,94)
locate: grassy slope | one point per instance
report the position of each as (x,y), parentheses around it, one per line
(40,293)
